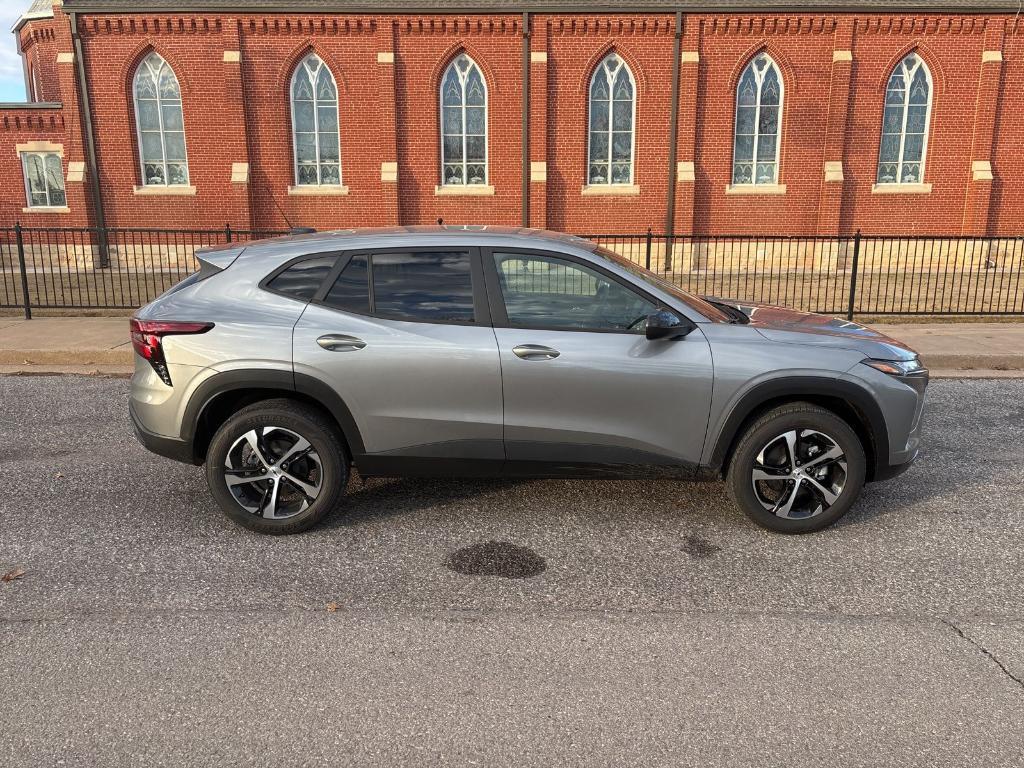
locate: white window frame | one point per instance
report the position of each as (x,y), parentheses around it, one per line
(759,82)
(465,133)
(160,115)
(601,69)
(316,121)
(908,81)
(44,154)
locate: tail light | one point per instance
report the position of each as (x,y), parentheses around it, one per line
(147,340)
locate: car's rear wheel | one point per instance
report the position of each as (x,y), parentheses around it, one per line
(797,469)
(277,467)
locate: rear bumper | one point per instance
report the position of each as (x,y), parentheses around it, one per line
(168,447)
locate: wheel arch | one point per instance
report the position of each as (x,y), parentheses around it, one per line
(850,402)
(223,394)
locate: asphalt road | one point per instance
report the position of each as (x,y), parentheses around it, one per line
(661,629)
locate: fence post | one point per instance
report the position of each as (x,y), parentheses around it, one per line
(853,275)
(227,231)
(26,300)
(647,263)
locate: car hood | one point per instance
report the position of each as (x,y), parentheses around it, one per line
(788,325)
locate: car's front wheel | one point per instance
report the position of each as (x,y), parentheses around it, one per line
(277,467)
(797,469)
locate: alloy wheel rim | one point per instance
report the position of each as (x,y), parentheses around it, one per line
(273,472)
(799,474)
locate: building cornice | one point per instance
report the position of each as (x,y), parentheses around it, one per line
(512,7)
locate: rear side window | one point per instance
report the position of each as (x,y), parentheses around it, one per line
(351,291)
(423,286)
(302,279)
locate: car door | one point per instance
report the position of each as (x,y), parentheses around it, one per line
(404,337)
(581,382)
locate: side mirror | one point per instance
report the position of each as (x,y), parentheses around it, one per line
(667,325)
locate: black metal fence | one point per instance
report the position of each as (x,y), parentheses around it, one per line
(67,269)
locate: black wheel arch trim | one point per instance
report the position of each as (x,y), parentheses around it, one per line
(249,379)
(794,387)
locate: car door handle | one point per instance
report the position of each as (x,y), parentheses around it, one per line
(535,352)
(336,342)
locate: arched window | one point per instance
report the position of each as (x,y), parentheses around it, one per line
(612,115)
(463,123)
(315,124)
(160,123)
(758,116)
(908,105)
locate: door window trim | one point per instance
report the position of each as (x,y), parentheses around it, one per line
(481,309)
(499,313)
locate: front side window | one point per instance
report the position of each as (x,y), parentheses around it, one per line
(549,292)
(161,124)
(908,103)
(44,179)
(314,96)
(612,113)
(758,117)
(463,123)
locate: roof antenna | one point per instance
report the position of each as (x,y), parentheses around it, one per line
(440,221)
(275,205)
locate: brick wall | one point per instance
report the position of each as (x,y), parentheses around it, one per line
(234,74)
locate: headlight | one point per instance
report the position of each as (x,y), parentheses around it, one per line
(898,367)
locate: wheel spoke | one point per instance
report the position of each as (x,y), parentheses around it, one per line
(763,472)
(306,489)
(830,455)
(232,479)
(785,504)
(268,507)
(301,446)
(827,493)
(255,439)
(791,438)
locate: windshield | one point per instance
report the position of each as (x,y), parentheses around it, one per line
(694,302)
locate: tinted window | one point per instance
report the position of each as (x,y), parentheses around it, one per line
(302,279)
(351,291)
(434,286)
(546,292)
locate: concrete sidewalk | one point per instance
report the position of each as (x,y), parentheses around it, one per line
(101,345)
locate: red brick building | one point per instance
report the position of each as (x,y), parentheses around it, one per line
(743,116)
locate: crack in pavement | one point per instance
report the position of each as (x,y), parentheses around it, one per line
(985,651)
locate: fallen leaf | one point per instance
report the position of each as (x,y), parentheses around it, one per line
(17,573)
(60,475)
(331,607)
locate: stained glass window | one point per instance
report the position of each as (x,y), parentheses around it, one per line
(314,95)
(160,122)
(44,179)
(758,117)
(463,123)
(612,116)
(908,104)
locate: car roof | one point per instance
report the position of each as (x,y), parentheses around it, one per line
(416,236)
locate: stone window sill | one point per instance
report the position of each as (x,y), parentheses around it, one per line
(46,209)
(755,189)
(625,190)
(464,189)
(314,190)
(155,190)
(901,189)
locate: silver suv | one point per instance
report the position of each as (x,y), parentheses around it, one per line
(469,351)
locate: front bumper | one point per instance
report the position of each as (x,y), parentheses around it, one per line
(168,447)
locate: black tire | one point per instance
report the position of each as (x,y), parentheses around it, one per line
(769,427)
(307,422)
